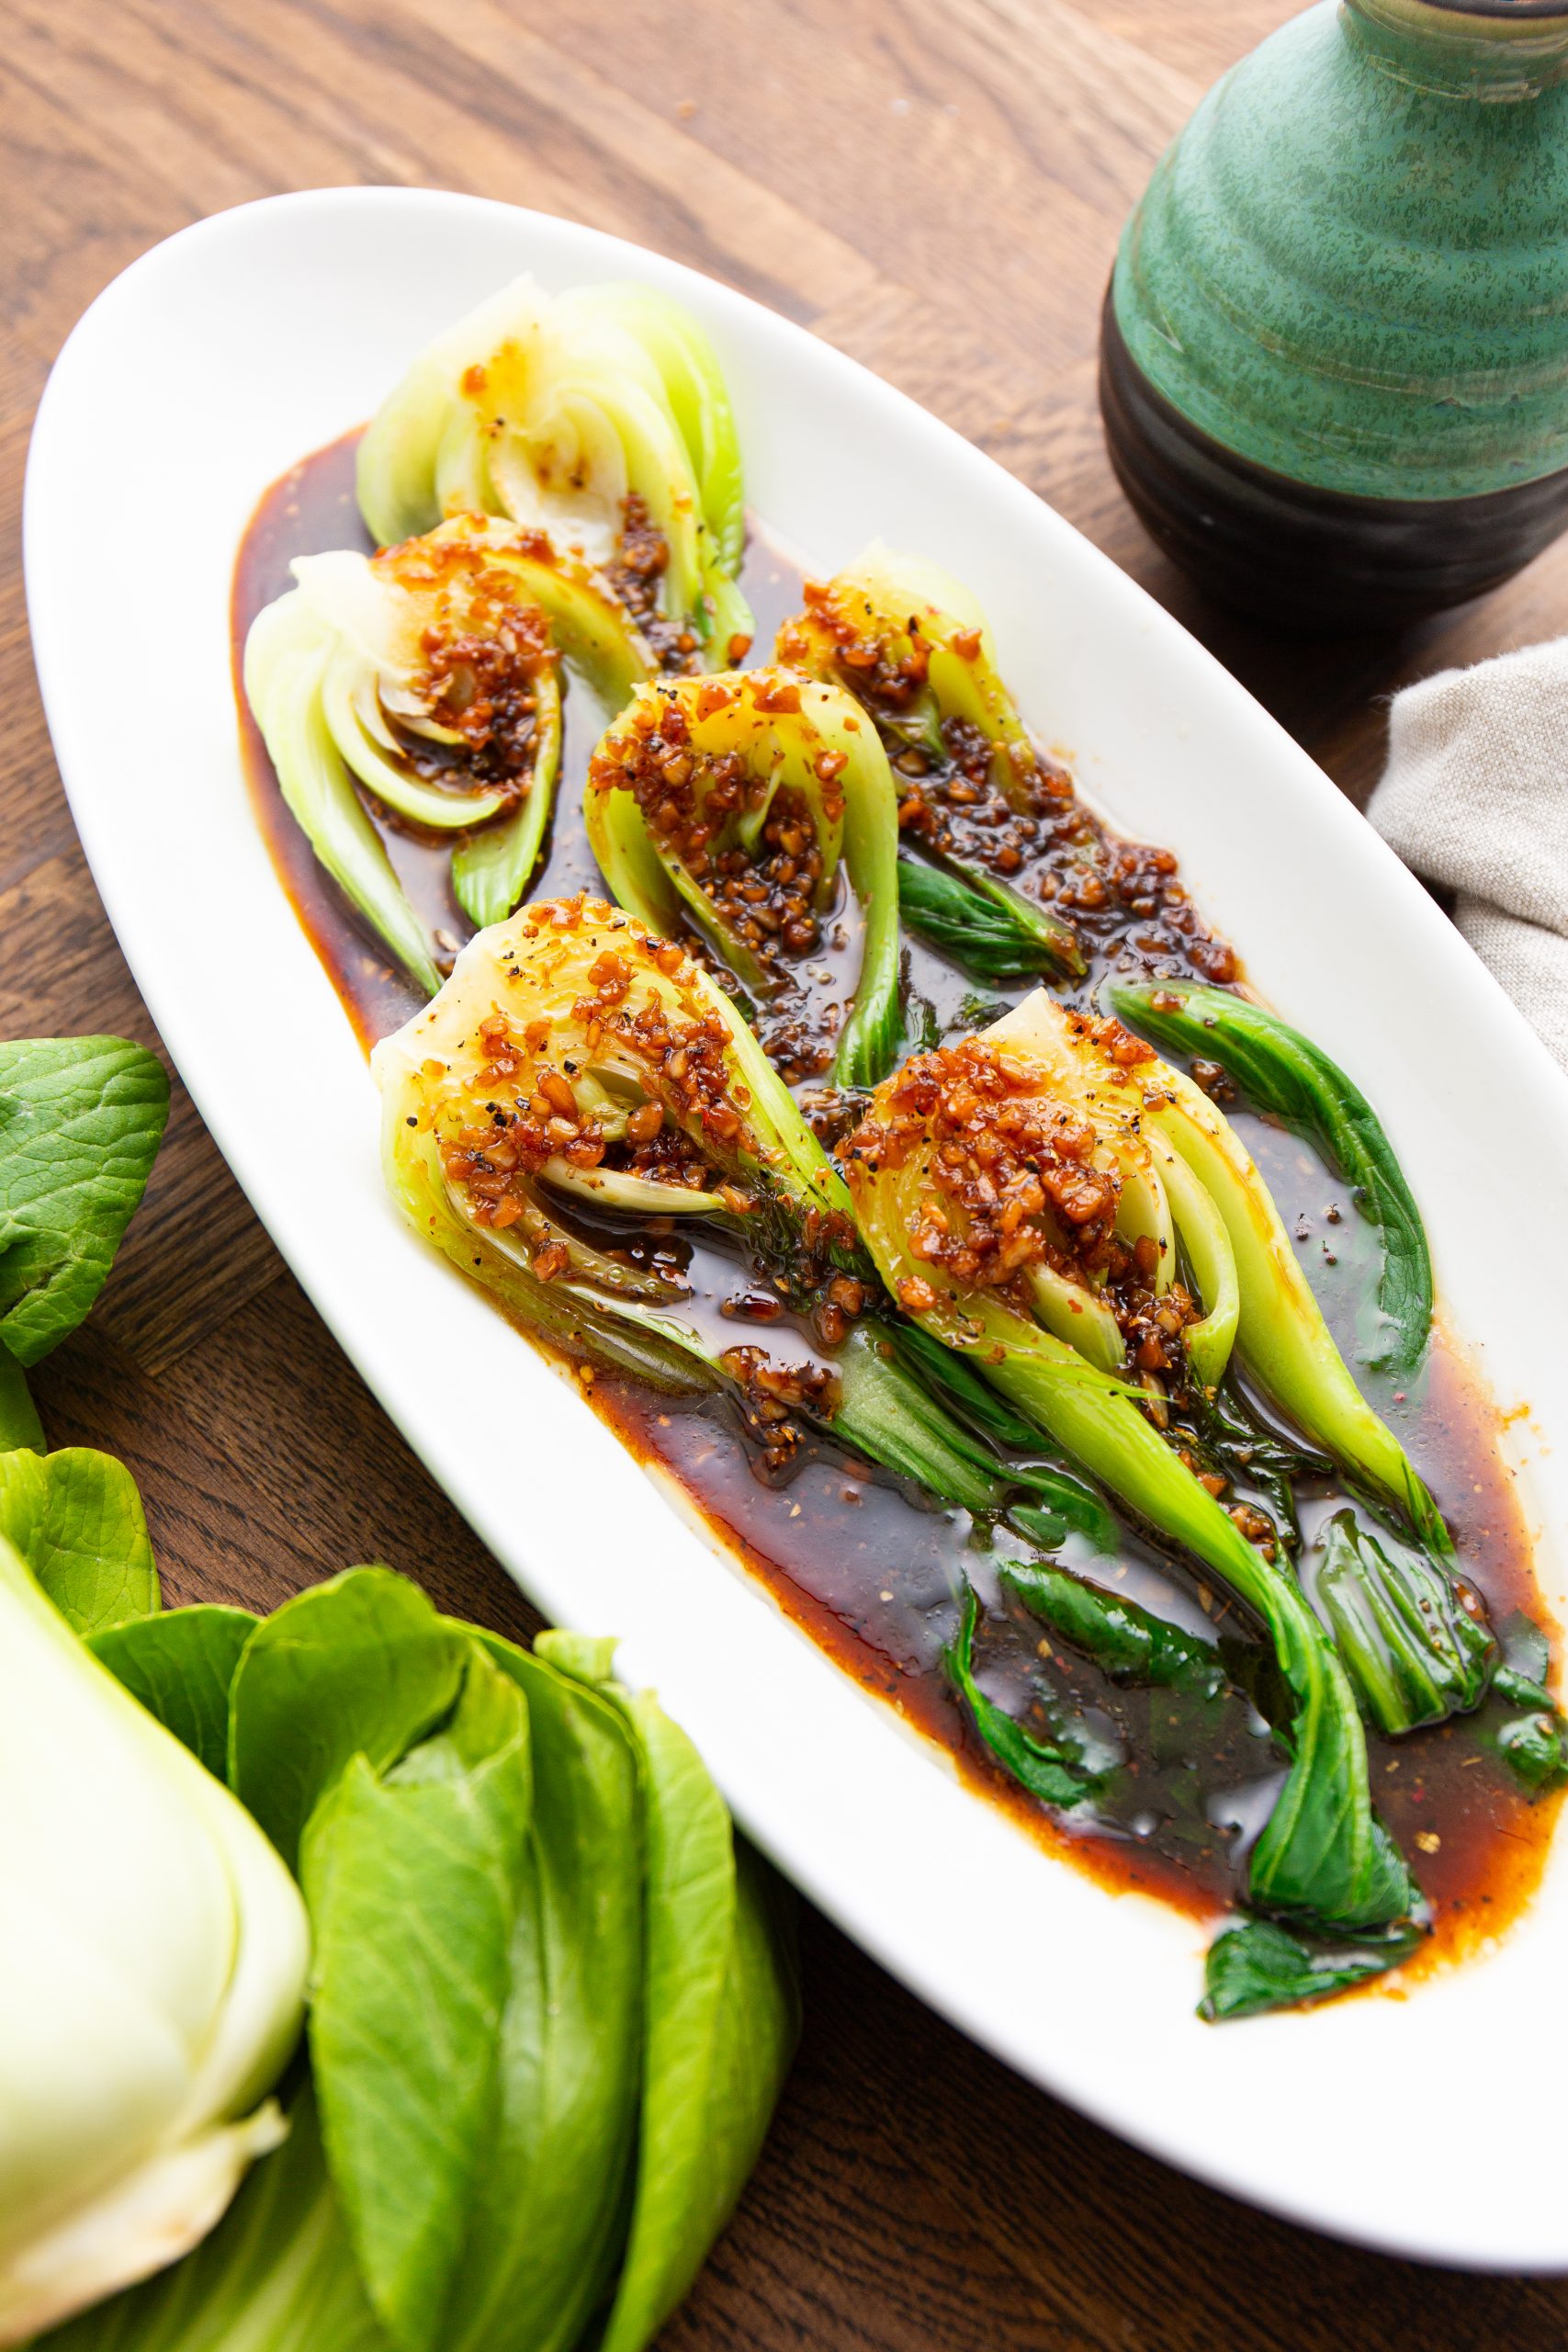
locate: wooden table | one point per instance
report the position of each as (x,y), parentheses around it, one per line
(937,188)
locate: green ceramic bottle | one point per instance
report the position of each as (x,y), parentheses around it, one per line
(1335,356)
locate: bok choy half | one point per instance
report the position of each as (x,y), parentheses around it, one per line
(600,417)
(729,804)
(911,644)
(1023,1199)
(428,678)
(551,1999)
(1292,1079)
(1410,1631)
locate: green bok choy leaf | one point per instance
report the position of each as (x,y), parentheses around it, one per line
(729,804)
(80,1120)
(601,416)
(1259,1965)
(1414,1650)
(721,2013)
(76,1518)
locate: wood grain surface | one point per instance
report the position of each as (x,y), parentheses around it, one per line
(937,188)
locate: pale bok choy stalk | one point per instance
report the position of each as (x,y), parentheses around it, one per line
(913,646)
(601,415)
(428,678)
(991,1200)
(728,804)
(153,1979)
(1292,1079)
(575,1062)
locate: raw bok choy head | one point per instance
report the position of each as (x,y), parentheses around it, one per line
(601,415)
(428,676)
(152,1976)
(729,804)
(1024,1203)
(913,646)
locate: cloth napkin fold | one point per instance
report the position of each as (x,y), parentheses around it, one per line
(1475,797)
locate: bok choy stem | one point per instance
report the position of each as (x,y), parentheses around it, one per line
(600,417)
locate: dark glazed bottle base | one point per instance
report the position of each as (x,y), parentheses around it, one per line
(1286,552)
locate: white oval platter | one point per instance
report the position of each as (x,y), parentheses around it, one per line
(1430,2125)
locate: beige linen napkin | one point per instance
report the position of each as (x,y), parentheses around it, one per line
(1475,797)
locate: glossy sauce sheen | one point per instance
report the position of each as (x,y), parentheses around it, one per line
(863,1566)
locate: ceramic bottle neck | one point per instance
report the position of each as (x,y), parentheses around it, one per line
(1499,51)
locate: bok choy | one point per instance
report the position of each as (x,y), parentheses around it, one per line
(729,804)
(1235,1240)
(1294,1080)
(80,1120)
(601,416)
(551,2001)
(1020,1210)
(913,646)
(428,678)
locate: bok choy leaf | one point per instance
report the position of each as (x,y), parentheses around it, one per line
(80,1120)
(1050,1763)
(1259,1965)
(722,2014)
(76,1518)
(412,1878)
(1412,1649)
(181,1665)
(981,934)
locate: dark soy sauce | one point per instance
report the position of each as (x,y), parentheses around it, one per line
(867,1568)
